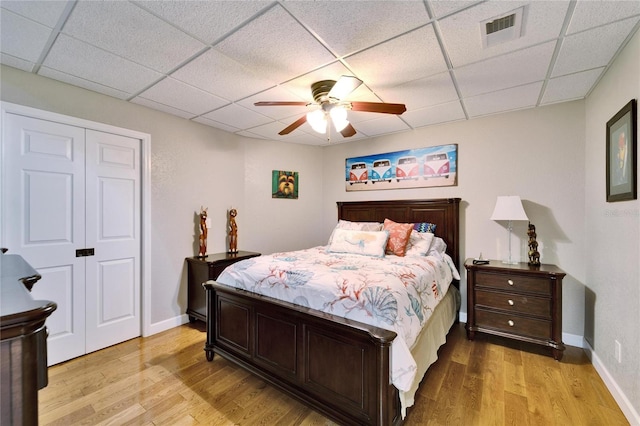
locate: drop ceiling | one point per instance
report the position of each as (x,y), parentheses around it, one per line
(209,61)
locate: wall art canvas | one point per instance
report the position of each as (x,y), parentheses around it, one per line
(413,168)
(284,184)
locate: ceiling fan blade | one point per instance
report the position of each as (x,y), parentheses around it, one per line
(281,103)
(348,131)
(345,85)
(291,127)
(382,107)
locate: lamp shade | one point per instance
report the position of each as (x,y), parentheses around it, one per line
(509,207)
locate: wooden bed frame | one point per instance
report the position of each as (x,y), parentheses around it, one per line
(338,367)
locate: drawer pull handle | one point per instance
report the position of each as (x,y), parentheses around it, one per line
(510,302)
(510,282)
(511,323)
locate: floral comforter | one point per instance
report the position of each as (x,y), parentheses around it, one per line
(394,293)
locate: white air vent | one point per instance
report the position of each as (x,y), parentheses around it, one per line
(502,28)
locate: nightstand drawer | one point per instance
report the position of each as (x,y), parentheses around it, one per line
(536,306)
(536,328)
(513,282)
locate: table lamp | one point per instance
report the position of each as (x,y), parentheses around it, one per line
(509,208)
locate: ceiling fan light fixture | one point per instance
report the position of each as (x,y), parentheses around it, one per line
(317,120)
(339,117)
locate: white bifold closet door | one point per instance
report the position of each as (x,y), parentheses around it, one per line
(71,200)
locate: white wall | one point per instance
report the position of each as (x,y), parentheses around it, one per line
(613,236)
(194,165)
(537,154)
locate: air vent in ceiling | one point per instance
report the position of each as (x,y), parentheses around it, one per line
(503,28)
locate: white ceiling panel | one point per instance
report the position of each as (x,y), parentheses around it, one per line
(21,37)
(71,56)
(601,44)
(418,52)
(237,116)
(210,61)
(595,13)
(182,96)
(574,86)
(515,69)
(423,92)
(44,12)
(208,21)
(216,73)
(451,111)
(503,100)
(126,30)
(346,26)
(276,47)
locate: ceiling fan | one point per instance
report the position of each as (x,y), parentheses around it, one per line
(328,96)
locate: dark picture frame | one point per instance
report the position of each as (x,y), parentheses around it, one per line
(622,157)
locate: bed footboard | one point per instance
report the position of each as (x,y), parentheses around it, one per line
(336,366)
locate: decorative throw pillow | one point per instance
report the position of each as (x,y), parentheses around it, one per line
(425,227)
(369,243)
(398,236)
(356,226)
(438,248)
(419,243)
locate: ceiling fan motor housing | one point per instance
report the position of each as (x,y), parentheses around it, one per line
(321,89)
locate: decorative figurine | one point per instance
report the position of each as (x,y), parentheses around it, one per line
(534,255)
(202,252)
(233,231)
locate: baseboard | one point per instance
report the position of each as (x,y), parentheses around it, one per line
(623,402)
(573,340)
(167,324)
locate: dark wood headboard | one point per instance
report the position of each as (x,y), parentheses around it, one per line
(444,212)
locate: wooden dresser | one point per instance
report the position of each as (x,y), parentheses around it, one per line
(23,342)
(516,301)
(200,270)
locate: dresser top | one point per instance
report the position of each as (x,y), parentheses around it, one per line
(498,266)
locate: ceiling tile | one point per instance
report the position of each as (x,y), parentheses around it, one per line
(347,28)
(442,8)
(237,116)
(212,123)
(275,46)
(18,63)
(182,96)
(79,59)
(572,86)
(592,14)
(128,31)
(215,73)
(503,100)
(601,44)
(410,57)
(207,21)
(424,92)
(22,38)
(461,32)
(384,123)
(521,67)
(85,84)
(161,107)
(44,12)
(451,111)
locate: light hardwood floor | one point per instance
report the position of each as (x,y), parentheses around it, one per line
(165,380)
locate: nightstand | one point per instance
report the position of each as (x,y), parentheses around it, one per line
(200,270)
(519,301)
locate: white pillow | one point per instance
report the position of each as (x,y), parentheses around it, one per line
(438,248)
(419,243)
(369,243)
(356,226)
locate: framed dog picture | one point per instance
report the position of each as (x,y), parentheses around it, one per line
(284,184)
(622,158)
